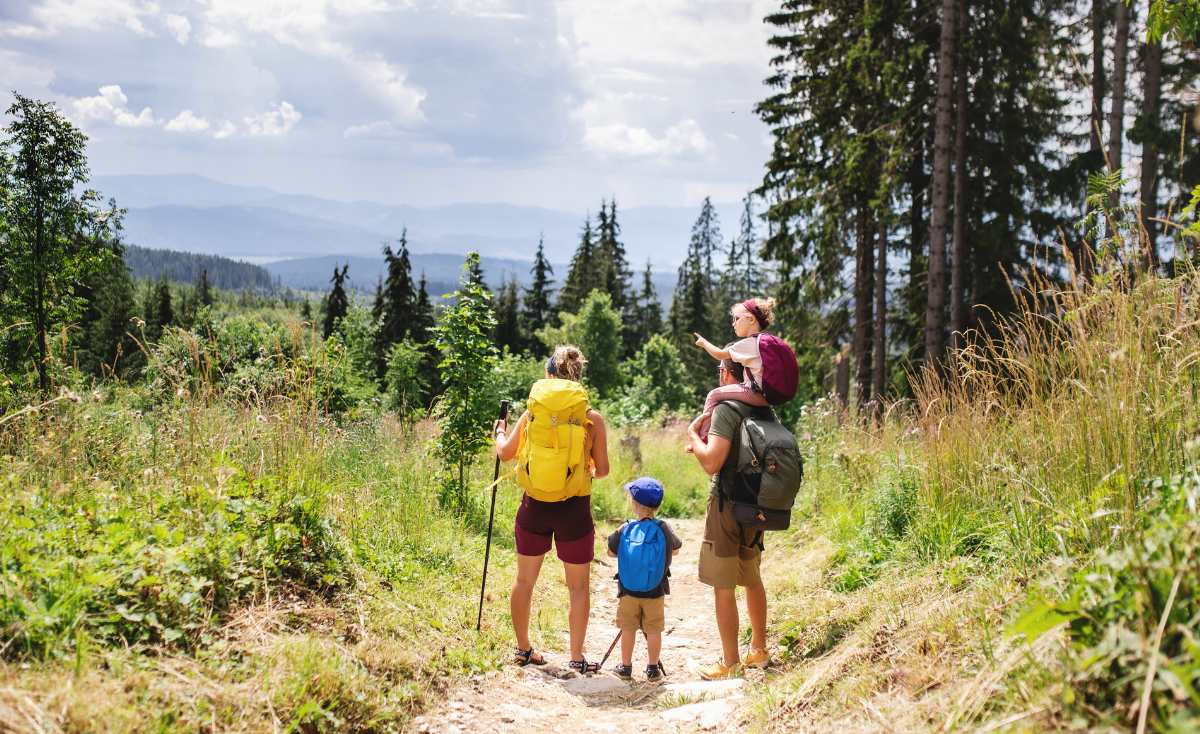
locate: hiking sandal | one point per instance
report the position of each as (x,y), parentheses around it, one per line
(525,657)
(583,666)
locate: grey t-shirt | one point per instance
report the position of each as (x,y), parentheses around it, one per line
(673,544)
(727,423)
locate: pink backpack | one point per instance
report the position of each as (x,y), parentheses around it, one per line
(780,373)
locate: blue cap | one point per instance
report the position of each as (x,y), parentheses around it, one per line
(646,491)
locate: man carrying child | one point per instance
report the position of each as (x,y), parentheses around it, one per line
(643,548)
(726,562)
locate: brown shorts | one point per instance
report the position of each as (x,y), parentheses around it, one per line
(647,615)
(724,561)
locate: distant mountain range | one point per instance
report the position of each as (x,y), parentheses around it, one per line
(299,237)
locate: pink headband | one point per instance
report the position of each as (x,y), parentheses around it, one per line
(752,307)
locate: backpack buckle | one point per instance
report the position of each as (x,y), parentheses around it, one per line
(754,462)
(771,467)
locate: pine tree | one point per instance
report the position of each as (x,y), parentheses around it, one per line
(306,314)
(421,333)
(537,313)
(337,303)
(203,289)
(742,276)
(584,276)
(507,306)
(394,303)
(157,307)
(610,254)
(647,311)
(695,308)
(105,347)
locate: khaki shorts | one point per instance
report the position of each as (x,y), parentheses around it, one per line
(724,561)
(648,615)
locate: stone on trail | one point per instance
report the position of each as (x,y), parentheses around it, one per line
(592,686)
(709,715)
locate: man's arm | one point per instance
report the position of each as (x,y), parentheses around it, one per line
(711,455)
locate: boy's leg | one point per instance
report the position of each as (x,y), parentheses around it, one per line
(628,640)
(653,647)
(521,598)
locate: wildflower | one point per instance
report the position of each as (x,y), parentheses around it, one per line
(72,397)
(141,324)
(96,396)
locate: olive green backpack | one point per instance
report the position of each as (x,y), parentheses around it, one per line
(768,476)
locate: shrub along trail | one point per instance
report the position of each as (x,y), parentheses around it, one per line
(549,698)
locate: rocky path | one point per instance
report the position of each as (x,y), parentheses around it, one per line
(550,698)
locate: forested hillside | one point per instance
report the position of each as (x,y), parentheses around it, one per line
(186,267)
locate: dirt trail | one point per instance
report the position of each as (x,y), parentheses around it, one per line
(549,698)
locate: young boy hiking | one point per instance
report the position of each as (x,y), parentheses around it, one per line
(643,548)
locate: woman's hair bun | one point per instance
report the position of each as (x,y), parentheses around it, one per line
(569,362)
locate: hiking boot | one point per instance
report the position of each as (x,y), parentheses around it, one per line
(655,672)
(720,671)
(624,672)
(759,658)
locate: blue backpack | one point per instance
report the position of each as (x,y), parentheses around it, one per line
(642,556)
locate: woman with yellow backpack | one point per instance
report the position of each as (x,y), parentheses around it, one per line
(560,445)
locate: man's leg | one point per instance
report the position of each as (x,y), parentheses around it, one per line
(756,609)
(727,624)
(521,598)
(579,579)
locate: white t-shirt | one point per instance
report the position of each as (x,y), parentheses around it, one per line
(745,353)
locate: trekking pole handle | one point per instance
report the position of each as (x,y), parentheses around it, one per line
(503,410)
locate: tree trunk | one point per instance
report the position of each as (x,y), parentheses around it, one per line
(1116,114)
(39,311)
(841,378)
(881,317)
(1148,190)
(1097,117)
(864,291)
(958,261)
(916,214)
(934,318)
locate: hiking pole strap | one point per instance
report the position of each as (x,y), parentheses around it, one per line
(491,517)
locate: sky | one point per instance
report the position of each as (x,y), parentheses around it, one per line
(555,103)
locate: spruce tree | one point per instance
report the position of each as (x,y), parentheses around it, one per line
(306,314)
(507,306)
(394,304)
(105,347)
(583,277)
(537,313)
(421,334)
(337,303)
(610,255)
(647,311)
(203,288)
(694,307)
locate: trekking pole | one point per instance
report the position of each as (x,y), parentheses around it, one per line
(610,648)
(491,516)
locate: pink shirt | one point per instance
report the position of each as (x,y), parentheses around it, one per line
(745,353)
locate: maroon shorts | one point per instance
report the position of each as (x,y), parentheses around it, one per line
(568,523)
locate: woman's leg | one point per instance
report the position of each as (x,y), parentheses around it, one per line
(521,598)
(579,580)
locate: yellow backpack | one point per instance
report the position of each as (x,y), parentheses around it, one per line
(553,456)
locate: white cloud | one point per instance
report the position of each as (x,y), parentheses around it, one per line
(217,38)
(377,129)
(96,14)
(684,140)
(227,128)
(186,122)
(276,122)
(179,26)
(109,106)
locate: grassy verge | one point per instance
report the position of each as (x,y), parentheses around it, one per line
(1000,554)
(205,566)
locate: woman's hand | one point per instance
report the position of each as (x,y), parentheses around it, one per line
(499,427)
